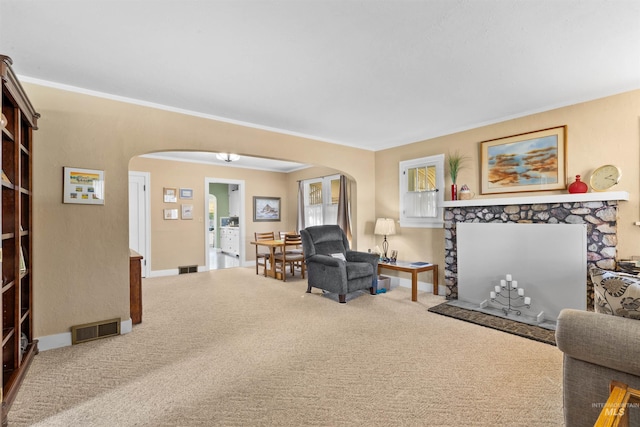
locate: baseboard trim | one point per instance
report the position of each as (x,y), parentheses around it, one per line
(201,269)
(164,273)
(50,342)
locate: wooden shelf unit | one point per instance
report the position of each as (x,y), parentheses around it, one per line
(16,237)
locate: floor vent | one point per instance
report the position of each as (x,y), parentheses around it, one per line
(95,330)
(187,269)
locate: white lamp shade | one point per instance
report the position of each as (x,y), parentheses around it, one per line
(385,227)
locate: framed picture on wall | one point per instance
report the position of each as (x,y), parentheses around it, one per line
(83,186)
(171,214)
(186,193)
(187,211)
(266,208)
(534,161)
(170,195)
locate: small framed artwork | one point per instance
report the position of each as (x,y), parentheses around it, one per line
(170,195)
(171,214)
(534,161)
(186,193)
(83,186)
(266,208)
(187,211)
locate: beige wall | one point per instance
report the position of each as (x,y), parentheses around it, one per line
(81,254)
(598,132)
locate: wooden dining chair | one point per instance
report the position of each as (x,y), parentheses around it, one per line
(292,250)
(290,258)
(261,256)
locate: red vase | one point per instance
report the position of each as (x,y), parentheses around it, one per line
(578,186)
(454,192)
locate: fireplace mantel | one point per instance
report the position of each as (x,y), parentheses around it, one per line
(531,200)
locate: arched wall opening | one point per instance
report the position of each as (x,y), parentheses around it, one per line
(184,241)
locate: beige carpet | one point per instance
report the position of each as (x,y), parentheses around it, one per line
(229,348)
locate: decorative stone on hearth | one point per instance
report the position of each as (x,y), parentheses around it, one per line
(599,216)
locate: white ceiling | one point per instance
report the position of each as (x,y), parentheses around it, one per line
(369,74)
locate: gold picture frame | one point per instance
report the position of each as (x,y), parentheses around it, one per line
(170,214)
(170,195)
(533,161)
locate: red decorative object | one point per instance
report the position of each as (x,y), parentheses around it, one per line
(578,186)
(454,192)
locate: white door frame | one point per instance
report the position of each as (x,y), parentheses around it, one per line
(146,262)
(240,183)
(215,221)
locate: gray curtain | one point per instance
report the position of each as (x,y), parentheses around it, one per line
(344,215)
(300,220)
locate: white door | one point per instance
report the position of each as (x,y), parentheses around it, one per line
(241,222)
(139,217)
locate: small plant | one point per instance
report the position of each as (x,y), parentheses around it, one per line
(456,163)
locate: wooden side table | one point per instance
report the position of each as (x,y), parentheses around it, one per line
(414,270)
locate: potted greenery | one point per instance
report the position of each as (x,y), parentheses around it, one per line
(456,163)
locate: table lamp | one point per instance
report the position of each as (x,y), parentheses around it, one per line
(385,227)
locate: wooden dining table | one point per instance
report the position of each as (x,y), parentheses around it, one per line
(272,245)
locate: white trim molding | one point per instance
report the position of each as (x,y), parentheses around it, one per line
(534,200)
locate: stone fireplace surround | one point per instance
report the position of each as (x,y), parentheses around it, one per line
(599,211)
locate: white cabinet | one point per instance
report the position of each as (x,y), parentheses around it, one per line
(234,200)
(234,237)
(230,240)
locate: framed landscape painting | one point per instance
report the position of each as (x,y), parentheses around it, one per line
(266,208)
(534,161)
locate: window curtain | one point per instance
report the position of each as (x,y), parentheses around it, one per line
(300,224)
(421,204)
(344,216)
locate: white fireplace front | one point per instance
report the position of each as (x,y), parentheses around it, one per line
(549,261)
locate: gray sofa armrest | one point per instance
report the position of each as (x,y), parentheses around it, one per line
(601,339)
(327,260)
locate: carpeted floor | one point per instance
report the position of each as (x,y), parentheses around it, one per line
(231,348)
(505,325)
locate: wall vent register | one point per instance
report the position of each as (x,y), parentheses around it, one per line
(95,330)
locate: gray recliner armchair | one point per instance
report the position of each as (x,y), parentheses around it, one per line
(323,247)
(598,348)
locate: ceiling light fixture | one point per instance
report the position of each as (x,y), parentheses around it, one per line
(228,157)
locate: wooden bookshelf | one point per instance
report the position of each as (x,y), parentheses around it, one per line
(16,237)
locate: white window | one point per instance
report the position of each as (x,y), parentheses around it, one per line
(422,192)
(321,200)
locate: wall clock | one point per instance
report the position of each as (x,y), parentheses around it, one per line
(605,177)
